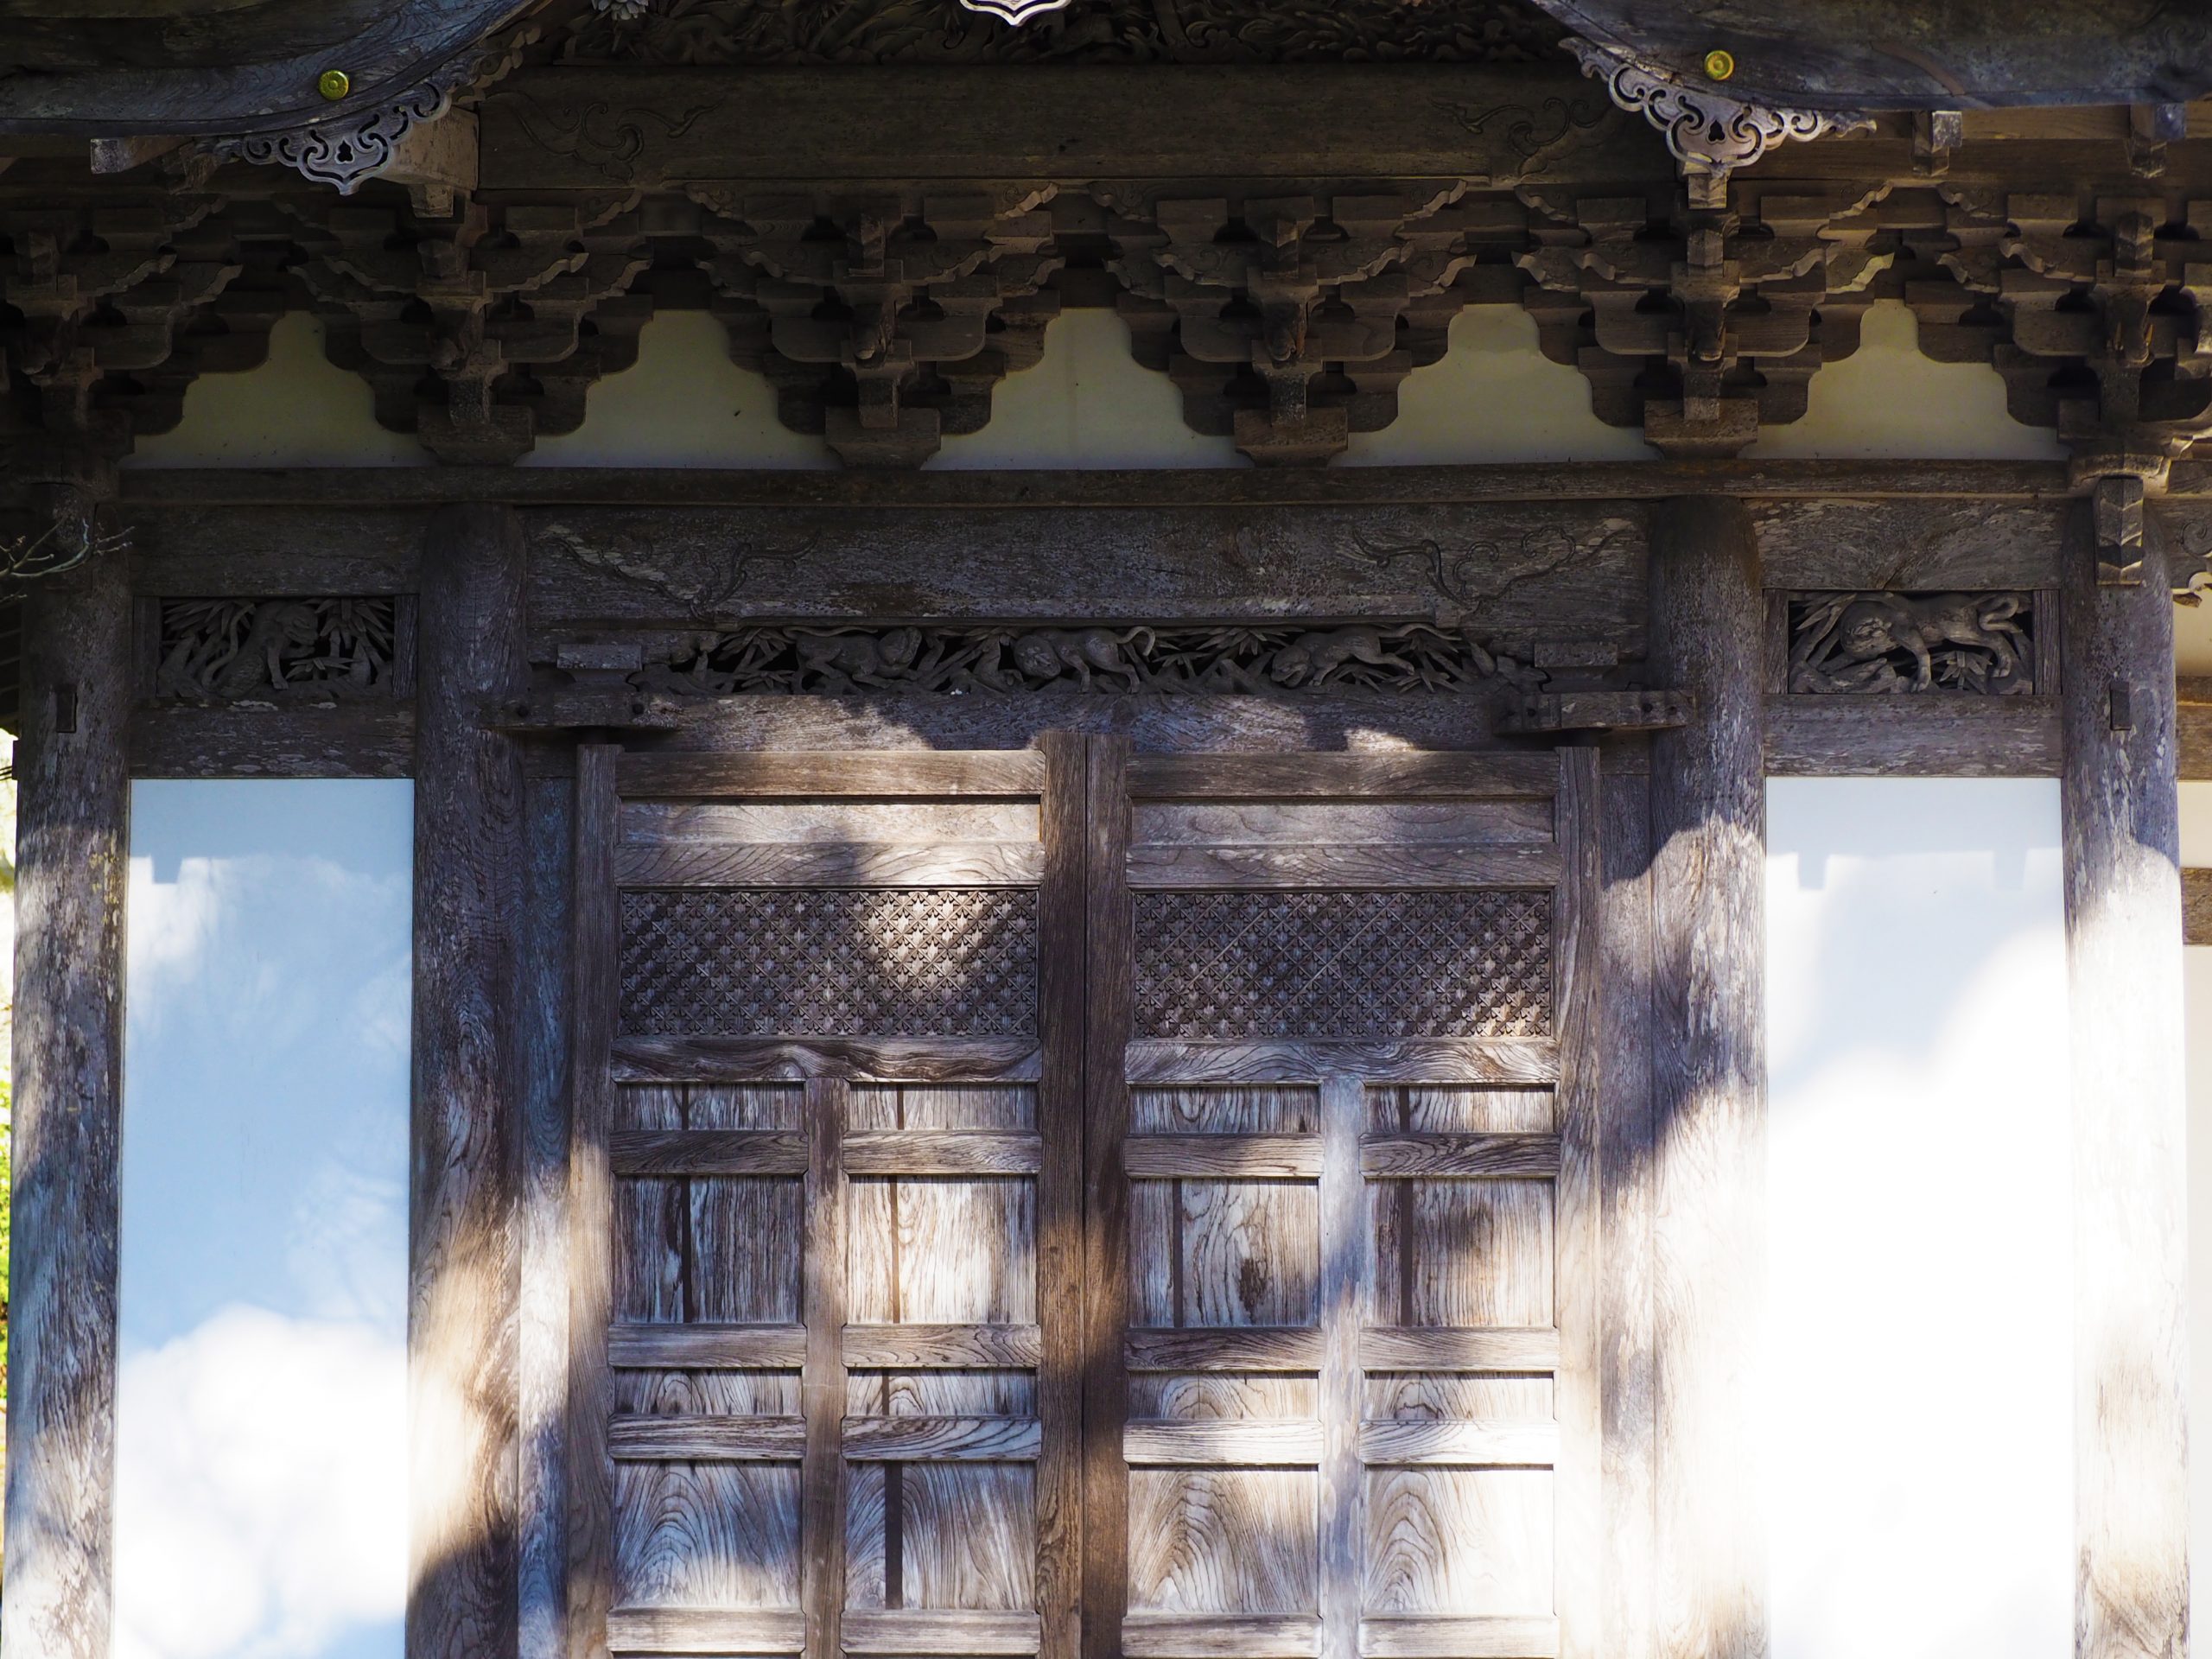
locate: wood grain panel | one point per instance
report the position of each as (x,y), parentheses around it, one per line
(1253,1444)
(935,1632)
(1291,1348)
(1449,1637)
(1459,1444)
(920,1347)
(707,1152)
(822,1385)
(804,822)
(1355,776)
(633,1438)
(1401,1348)
(704,1630)
(706,1535)
(1912,736)
(1429,1059)
(1158,868)
(1407,1156)
(1222,1541)
(668,1347)
(1459,1541)
(1005,1107)
(1346,1291)
(739,1059)
(1417,1108)
(1168,1636)
(1218,1396)
(362,742)
(1427,825)
(832,774)
(1249,1110)
(942,1152)
(1227,1157)
(981,1439)
(852,864)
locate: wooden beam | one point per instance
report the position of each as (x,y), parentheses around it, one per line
(71,851)
(2123,905)
(2196,906)
(1708,822)
(469,1097)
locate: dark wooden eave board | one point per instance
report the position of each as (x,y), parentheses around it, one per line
(663,127)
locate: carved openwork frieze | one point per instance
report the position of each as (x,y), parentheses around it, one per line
(275,652)
(1978,643)
(830,660)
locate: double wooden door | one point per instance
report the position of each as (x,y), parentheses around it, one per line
(1057,1202)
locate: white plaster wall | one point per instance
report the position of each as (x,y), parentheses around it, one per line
(261,1414)
(1919,1415)
(1886,400)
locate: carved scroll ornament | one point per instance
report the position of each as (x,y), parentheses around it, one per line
(274,650)
(1979,643)
(835,661)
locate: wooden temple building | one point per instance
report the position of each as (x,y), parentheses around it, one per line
(1105,828)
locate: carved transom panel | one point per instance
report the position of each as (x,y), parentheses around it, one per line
(1980,643)
(1369,966)
(217,650)
(921,962)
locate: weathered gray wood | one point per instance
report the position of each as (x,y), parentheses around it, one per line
(646,1437)
(1407,1157)
(73,835)
(1578,1264)
(469,887)
(356,742)
(656,1630)
(707,1152)
(593,1347)
(1250,1443)
(950,1631)
(1170,1636)
(899,1059)
(2123,907)
(1111,950)
(822,1386)
(943,1152)
(1346,1292)
(942,1439)
(1464,1444)
(1910,736)
(698,1347)
(542,1357)
(976,864)
(2193,740)
(1495,1348)
(952,1347)
(1187,121)
(1708,814)
(1497,1637)
(2196,906)
(1415,1060)
(1251,1348)
(1905,545)
(1016,772)
(1222,1157)
(1626,1175)
(1468,777)
(1430,864)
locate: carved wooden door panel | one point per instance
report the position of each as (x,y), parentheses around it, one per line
(1341,1272)
(826,1195)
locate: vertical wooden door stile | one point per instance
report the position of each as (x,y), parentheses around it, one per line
(1062,975)
(591,1207)
(822,1383)
(1346,1294)
(1109,951)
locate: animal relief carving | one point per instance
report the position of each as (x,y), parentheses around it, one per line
(830,660)
(1980,643)
(277,651)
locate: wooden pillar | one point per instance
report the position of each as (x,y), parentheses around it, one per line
(72,847)
(1708,1080)
(469,1093)
(2123,951)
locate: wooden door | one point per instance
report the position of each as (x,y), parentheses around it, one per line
(1341,1198)
(826,1193)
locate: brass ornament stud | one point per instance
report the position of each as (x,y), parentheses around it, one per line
(334,84)
(1720,65)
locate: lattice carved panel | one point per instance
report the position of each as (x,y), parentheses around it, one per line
(1349,965)
(923,962)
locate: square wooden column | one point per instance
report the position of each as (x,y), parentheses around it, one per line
(1708,1080)
(471,1087)
(73,847)
(2131,1200)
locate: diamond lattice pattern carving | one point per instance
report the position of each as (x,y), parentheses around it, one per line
(1350,965)
(924,962)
